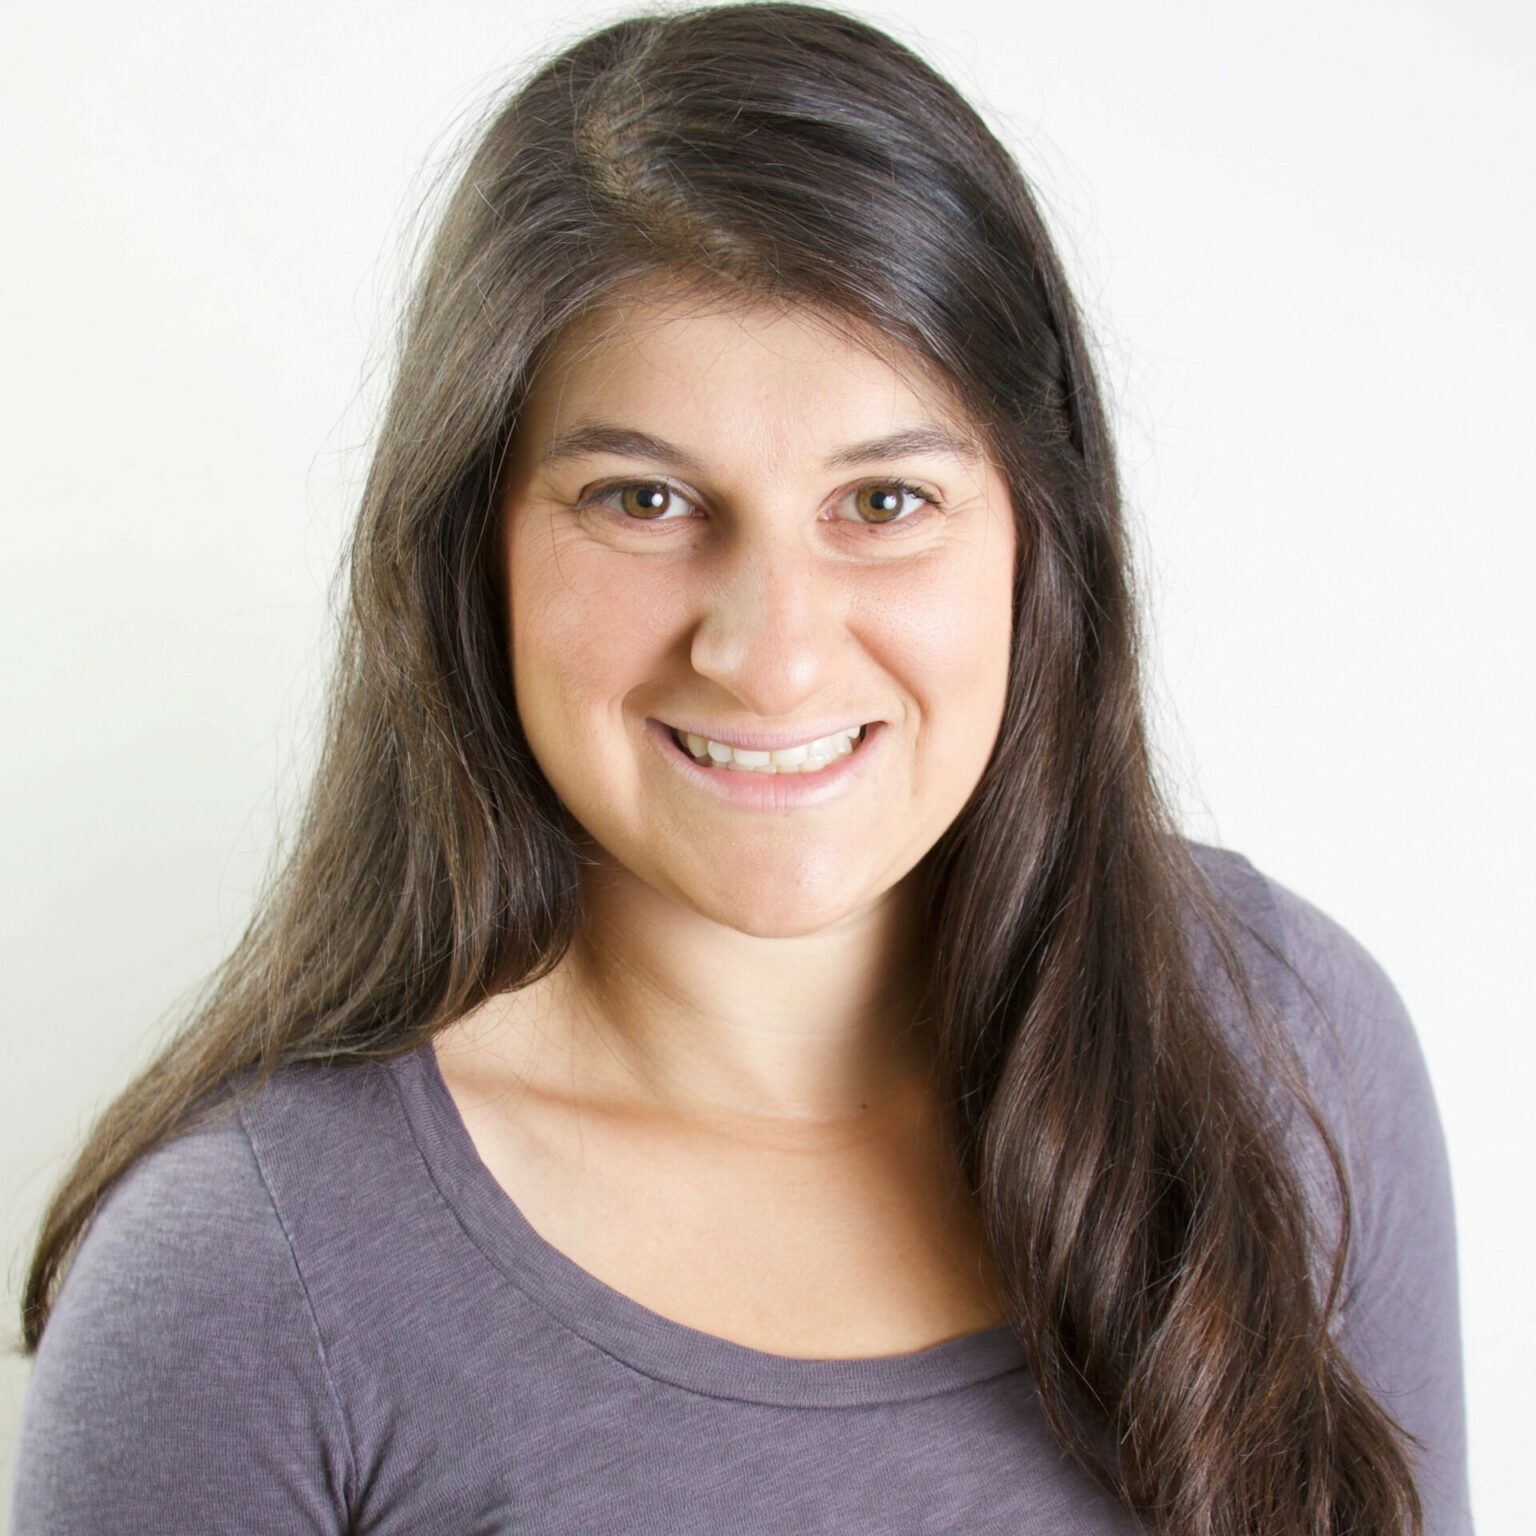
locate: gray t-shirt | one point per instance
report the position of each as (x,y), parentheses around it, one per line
(326,1315)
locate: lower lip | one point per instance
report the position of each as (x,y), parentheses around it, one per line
(771,791)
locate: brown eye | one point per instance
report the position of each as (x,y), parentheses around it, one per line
(644,500)
(879,504)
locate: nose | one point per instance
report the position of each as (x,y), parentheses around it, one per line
(771,627)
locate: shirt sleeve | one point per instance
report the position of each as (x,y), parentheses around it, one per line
(180,1385)
(1400,1317)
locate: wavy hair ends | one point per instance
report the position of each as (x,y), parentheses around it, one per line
(1160,1260)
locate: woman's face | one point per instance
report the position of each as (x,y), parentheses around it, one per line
(703,530)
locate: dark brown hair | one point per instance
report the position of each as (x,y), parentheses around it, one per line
(1160,1261)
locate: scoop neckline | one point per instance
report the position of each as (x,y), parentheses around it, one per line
(655,1345)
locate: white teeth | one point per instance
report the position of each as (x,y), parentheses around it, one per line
(808,757)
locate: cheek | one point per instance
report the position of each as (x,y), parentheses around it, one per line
(948,630)
(962,628)
(579,636)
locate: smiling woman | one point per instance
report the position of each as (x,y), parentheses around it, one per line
(738,962)
(762,603)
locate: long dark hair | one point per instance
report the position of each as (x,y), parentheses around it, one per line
(1172,1290)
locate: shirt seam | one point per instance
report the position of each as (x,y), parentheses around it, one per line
(349,1490)
(758,1402)
(1334,1099)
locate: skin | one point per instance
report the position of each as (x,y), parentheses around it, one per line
(735,1026)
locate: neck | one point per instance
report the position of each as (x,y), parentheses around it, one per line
(818,1029)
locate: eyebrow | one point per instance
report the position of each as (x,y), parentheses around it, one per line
(627,442)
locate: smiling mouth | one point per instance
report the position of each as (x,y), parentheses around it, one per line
(807,758)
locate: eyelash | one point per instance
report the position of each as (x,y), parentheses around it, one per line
(603,498)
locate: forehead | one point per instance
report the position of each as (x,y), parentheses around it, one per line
(727,357)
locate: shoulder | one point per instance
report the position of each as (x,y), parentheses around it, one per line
(1399,1315)
(189,1226)
(198,1197)
(1344,1009)
(182,1351)
(195,1224)
(1354,1039)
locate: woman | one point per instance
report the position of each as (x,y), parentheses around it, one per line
(739,1042)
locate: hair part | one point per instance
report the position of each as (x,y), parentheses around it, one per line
(1139,1199)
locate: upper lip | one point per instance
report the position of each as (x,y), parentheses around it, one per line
(762,741)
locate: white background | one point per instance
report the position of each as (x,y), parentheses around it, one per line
(1304,236)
